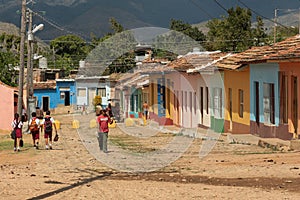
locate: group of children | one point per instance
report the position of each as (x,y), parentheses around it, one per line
(35,126)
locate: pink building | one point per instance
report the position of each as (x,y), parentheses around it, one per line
(8,105)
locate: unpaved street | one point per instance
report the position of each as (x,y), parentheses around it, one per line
(70,171)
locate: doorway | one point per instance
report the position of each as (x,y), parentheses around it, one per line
(45,103)
(295,103)
(230,108)
(67,98)
(201,105)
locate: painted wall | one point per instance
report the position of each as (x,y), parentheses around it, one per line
(7,108)
(292,69)
(264,73)
(51,93)
(237,80)
(61,86)
(191,98)
(91,85)
(217,117)
(54,94)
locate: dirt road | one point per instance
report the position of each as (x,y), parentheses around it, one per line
(70,171)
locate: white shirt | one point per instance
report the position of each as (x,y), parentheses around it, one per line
(14,124)
(37,121)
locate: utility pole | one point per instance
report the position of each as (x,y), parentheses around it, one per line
(21,67)
(29,96)
(299,22)
(275,24)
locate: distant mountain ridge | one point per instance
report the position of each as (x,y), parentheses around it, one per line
(83,17)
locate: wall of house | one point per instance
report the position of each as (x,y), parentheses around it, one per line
(217,99)
(50,93)
(62,86)
(90,87)
(189,102)
(6,106)
(236,81)
(263,73)
(291,70)
(162,113)
(203,119)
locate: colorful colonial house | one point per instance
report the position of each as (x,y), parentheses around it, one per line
(200,91)
(262,87)
(8,105)
(89,87)
(54,94)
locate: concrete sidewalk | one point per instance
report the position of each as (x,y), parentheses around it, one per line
(248,139)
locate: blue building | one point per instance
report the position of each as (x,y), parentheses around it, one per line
(53,94)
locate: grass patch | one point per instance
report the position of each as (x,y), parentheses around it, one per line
(6,145)
(129,144)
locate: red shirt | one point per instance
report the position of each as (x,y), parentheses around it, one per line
(103,123)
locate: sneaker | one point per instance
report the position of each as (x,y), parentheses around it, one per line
(18,149)
(15,149)
(47,147)
(36,147)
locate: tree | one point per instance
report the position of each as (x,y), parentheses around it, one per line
(187,29)
(258,33)
(7,72)
(69,50)
(231,33)
(9,58)
(109,47)
(282,33)
(116,26)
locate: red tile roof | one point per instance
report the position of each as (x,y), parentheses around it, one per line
(288,49)
(44,85)
(200,60)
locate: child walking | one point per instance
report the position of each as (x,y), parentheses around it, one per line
(17,125)
(48,122)
(34,127)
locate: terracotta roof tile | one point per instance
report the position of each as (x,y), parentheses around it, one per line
(285,50)
(44,85)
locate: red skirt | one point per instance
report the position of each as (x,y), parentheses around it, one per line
(18,133)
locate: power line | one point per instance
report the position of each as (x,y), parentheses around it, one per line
(57,26)
(271,20)
(221,6)
(203,10)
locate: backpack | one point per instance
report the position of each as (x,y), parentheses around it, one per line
(48,125)
(33,127)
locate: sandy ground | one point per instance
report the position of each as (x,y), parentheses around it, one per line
(70,171)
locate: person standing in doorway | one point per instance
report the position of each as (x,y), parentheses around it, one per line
(34,127)
(48,123)
(103,130)
(17,125)
(145,109)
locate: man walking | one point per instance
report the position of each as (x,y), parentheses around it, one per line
(103,130)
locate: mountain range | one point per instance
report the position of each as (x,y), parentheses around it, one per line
(83,17)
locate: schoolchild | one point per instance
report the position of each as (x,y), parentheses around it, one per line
(34,127)
(48,123)
(17,125)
